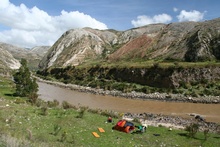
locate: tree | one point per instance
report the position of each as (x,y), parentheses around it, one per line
(26,86)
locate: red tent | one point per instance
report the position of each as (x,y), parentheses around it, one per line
(124,126)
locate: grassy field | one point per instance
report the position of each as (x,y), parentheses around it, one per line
(22,124)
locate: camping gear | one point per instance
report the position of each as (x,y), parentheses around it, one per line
(109,120)
(101,130)
(141,128)
(96,134)
(124,126)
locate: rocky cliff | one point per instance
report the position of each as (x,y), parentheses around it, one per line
(184,41)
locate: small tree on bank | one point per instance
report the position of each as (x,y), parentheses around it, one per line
(26,86)
(192,129)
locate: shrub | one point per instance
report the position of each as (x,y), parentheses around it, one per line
(44,110)
(39,103)
(192,129)
(206,131)
(184,84)
(67,105)
(194,94)
(33,98)
(207,91)
(82,112)
(53,103)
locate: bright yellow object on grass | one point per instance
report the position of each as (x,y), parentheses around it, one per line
(96,134)
(101,130)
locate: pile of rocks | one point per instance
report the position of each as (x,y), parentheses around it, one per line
(171,121)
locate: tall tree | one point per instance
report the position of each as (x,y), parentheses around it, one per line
(25,84)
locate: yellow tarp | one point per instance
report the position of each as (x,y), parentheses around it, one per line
(101,130)
(96,134)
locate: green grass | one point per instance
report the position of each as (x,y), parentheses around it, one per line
(25,125)
(140,63)
(6,87)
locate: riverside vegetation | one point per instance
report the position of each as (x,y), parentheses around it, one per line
(49,124)
(176,81)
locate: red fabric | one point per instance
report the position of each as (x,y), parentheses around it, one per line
(121,123)
(120,126)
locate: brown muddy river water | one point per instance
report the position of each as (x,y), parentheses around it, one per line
(211,112)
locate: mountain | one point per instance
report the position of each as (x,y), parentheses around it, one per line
(11,55)
(7,61)
(40,51)
(182,41)
(17,52)
(78,45)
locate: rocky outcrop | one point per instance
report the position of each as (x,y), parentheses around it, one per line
(203,43)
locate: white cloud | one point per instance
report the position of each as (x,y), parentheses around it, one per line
(145,20)
(31,27)
(190,16)
(4,3)
(175,9)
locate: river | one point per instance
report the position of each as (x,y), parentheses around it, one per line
(48,92)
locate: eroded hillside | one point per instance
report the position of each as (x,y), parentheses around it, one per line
(183,41)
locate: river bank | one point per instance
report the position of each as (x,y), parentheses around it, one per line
(138,95)
(173,122)
(152,119)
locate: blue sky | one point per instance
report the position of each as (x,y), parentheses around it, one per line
(29,23)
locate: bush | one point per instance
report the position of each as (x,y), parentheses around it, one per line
(206,131)
(192,129)
(39,103)
(44,110)
(82,112)
(53,103)
(67,105)
(194,94)
(33,98)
